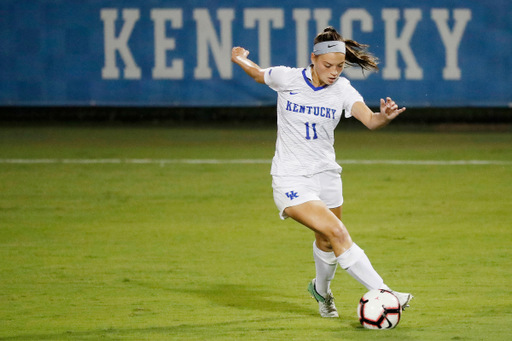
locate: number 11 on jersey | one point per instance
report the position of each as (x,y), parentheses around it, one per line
(313,127)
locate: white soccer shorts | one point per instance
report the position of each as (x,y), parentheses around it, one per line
(296,190)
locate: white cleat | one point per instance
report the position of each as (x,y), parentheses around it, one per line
(403,298)
(325,304)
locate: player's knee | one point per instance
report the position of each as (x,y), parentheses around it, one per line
(323,242)
(338,233)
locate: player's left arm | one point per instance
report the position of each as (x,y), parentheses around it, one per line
(375,120)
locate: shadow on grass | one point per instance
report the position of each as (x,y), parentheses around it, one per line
(181,330)
(235,296)
(242,297)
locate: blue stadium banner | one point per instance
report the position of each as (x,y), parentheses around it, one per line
(438,53)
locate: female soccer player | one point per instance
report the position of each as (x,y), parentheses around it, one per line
(306,179)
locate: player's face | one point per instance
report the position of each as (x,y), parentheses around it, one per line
(327,67)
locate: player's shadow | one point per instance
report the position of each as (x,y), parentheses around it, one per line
(242,297)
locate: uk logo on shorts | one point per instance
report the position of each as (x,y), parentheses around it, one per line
(292,195)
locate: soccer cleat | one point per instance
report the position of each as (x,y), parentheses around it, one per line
(325,304)
(403,298)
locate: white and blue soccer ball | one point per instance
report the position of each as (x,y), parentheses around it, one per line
(379,309)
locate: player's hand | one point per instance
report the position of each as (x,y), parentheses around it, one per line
(239,56)
(390,109)
(238,52)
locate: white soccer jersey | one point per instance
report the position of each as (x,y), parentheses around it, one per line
(306,119)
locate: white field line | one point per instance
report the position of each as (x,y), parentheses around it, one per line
(246,161)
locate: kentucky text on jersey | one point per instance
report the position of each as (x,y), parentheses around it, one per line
(306,109)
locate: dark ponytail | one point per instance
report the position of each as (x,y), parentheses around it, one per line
(357,54)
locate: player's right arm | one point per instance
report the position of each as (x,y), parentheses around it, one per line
(239,56)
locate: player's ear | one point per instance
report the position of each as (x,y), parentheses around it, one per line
(313,58)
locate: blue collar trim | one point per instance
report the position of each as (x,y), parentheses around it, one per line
(308,82)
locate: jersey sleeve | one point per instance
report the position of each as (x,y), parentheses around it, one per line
(351,96)
(278,77)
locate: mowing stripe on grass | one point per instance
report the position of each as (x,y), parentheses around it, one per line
(247,161)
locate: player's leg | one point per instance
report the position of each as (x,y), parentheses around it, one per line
(331,194)
(325,264)
(296,197)
(325,259)
(316,216)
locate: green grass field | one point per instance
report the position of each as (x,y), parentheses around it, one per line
(196,251)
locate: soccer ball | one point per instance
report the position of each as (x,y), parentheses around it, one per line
(379,309)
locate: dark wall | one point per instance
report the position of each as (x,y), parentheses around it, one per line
(251,115)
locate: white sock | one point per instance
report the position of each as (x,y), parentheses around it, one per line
(357,264)
(325,264)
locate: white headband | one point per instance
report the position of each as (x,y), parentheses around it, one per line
(329,46)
